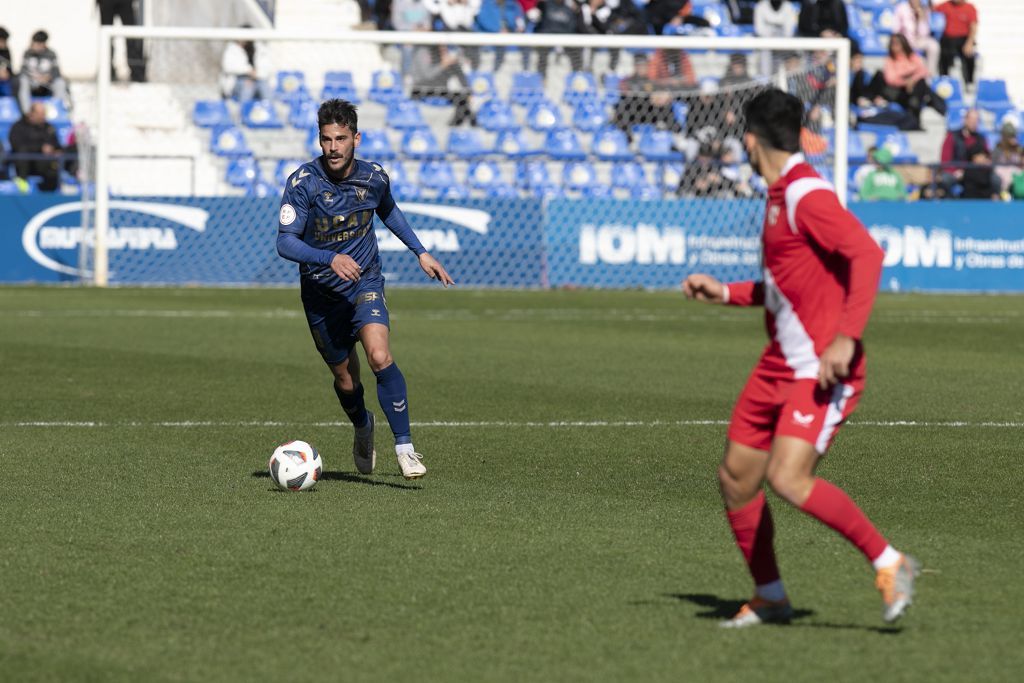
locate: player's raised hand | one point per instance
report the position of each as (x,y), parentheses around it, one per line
(835,361)
(346,267)
(434,270)
(703,288)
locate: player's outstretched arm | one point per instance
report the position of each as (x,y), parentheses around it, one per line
(704,288)
(434,270)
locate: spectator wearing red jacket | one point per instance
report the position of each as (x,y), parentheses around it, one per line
(958,38)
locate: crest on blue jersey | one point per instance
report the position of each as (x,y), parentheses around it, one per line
(361,193)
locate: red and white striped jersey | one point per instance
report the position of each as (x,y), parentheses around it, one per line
(821,272)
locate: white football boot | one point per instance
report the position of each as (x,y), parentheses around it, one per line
(363,452)
(409,461)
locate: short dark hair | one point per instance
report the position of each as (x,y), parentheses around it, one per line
(40,37)
(341,112)
(774,117)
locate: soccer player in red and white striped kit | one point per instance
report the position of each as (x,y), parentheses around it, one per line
(821,273)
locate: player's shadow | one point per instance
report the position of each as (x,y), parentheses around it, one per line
(718,609)
(354,478)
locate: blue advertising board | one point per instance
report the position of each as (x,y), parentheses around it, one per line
(930,246)
(182,240)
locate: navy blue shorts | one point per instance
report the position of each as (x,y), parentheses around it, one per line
(335,319)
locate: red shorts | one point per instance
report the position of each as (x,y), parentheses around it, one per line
(771,406)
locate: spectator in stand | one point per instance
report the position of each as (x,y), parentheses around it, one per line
(1008,157)
(958,38)
(913,22)
(862,92)
(617,18)
(409,15)
(32,134)
(774,19)
(964,156)
(644,101)
(125,10)
(6,67)
(244,71)
(741,11)
(882,183)
(499,16)
(40,73)
(433,69)
(456,16)
(823,18)
(558,16)
(705,175)
(904,80)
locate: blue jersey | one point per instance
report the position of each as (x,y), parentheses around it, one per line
(332,217)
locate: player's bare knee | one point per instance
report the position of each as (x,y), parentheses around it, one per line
(379,359)
(788,484)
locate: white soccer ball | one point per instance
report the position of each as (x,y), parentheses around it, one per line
(295,466)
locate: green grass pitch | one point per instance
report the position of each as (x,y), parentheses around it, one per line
(142,541)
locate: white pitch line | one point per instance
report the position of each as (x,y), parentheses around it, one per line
(497,423)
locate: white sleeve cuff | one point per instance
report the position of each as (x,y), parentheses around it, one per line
(725,293)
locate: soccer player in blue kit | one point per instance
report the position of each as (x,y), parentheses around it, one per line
(326,226)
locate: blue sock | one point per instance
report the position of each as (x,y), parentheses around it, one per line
(394,401)
(353,405)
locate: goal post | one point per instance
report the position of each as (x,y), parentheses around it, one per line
(184,69)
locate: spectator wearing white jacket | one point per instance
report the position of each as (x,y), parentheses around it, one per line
(244,71)
(913,20)
(774,19)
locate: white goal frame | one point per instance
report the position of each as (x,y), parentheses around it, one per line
(100,270)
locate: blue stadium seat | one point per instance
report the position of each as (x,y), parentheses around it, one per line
(405,192)
(481,85)
(544,115)
(646,192)
(513,144)
(228,141)
(56,110)
(884,20)
(533,174)
(562,143)
(527,88)
(420,143)
(242,171)
(339,85)
(628,175)
(260,114)
(64,134)
(656,145)
(404,115)
(437,174)
(302,114)
(262,188)
(466,143)
(9,110)
(955,118)
(496,115)
(993,97)
(680,110)
(853,17)
(578,175)
(869,42)
(669,175)
(284,168)
(579,85)
(855,153)
(211,113)
(597,191)
(938,24)
(874,4)
(290,86)
(386,86)
(948,88)
(5,139)
(611,144)
(396,172)
(453,192)
(899,144)
(876,128)
(9,187)
(484,174)
(590,114)
(611,83)
(501,191)
(376,145)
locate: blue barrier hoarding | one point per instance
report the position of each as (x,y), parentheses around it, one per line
(930,246)
(232,241)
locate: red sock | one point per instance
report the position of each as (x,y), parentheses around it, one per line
(829,505)
(752,526)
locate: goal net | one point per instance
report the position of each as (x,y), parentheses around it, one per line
(521,160)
